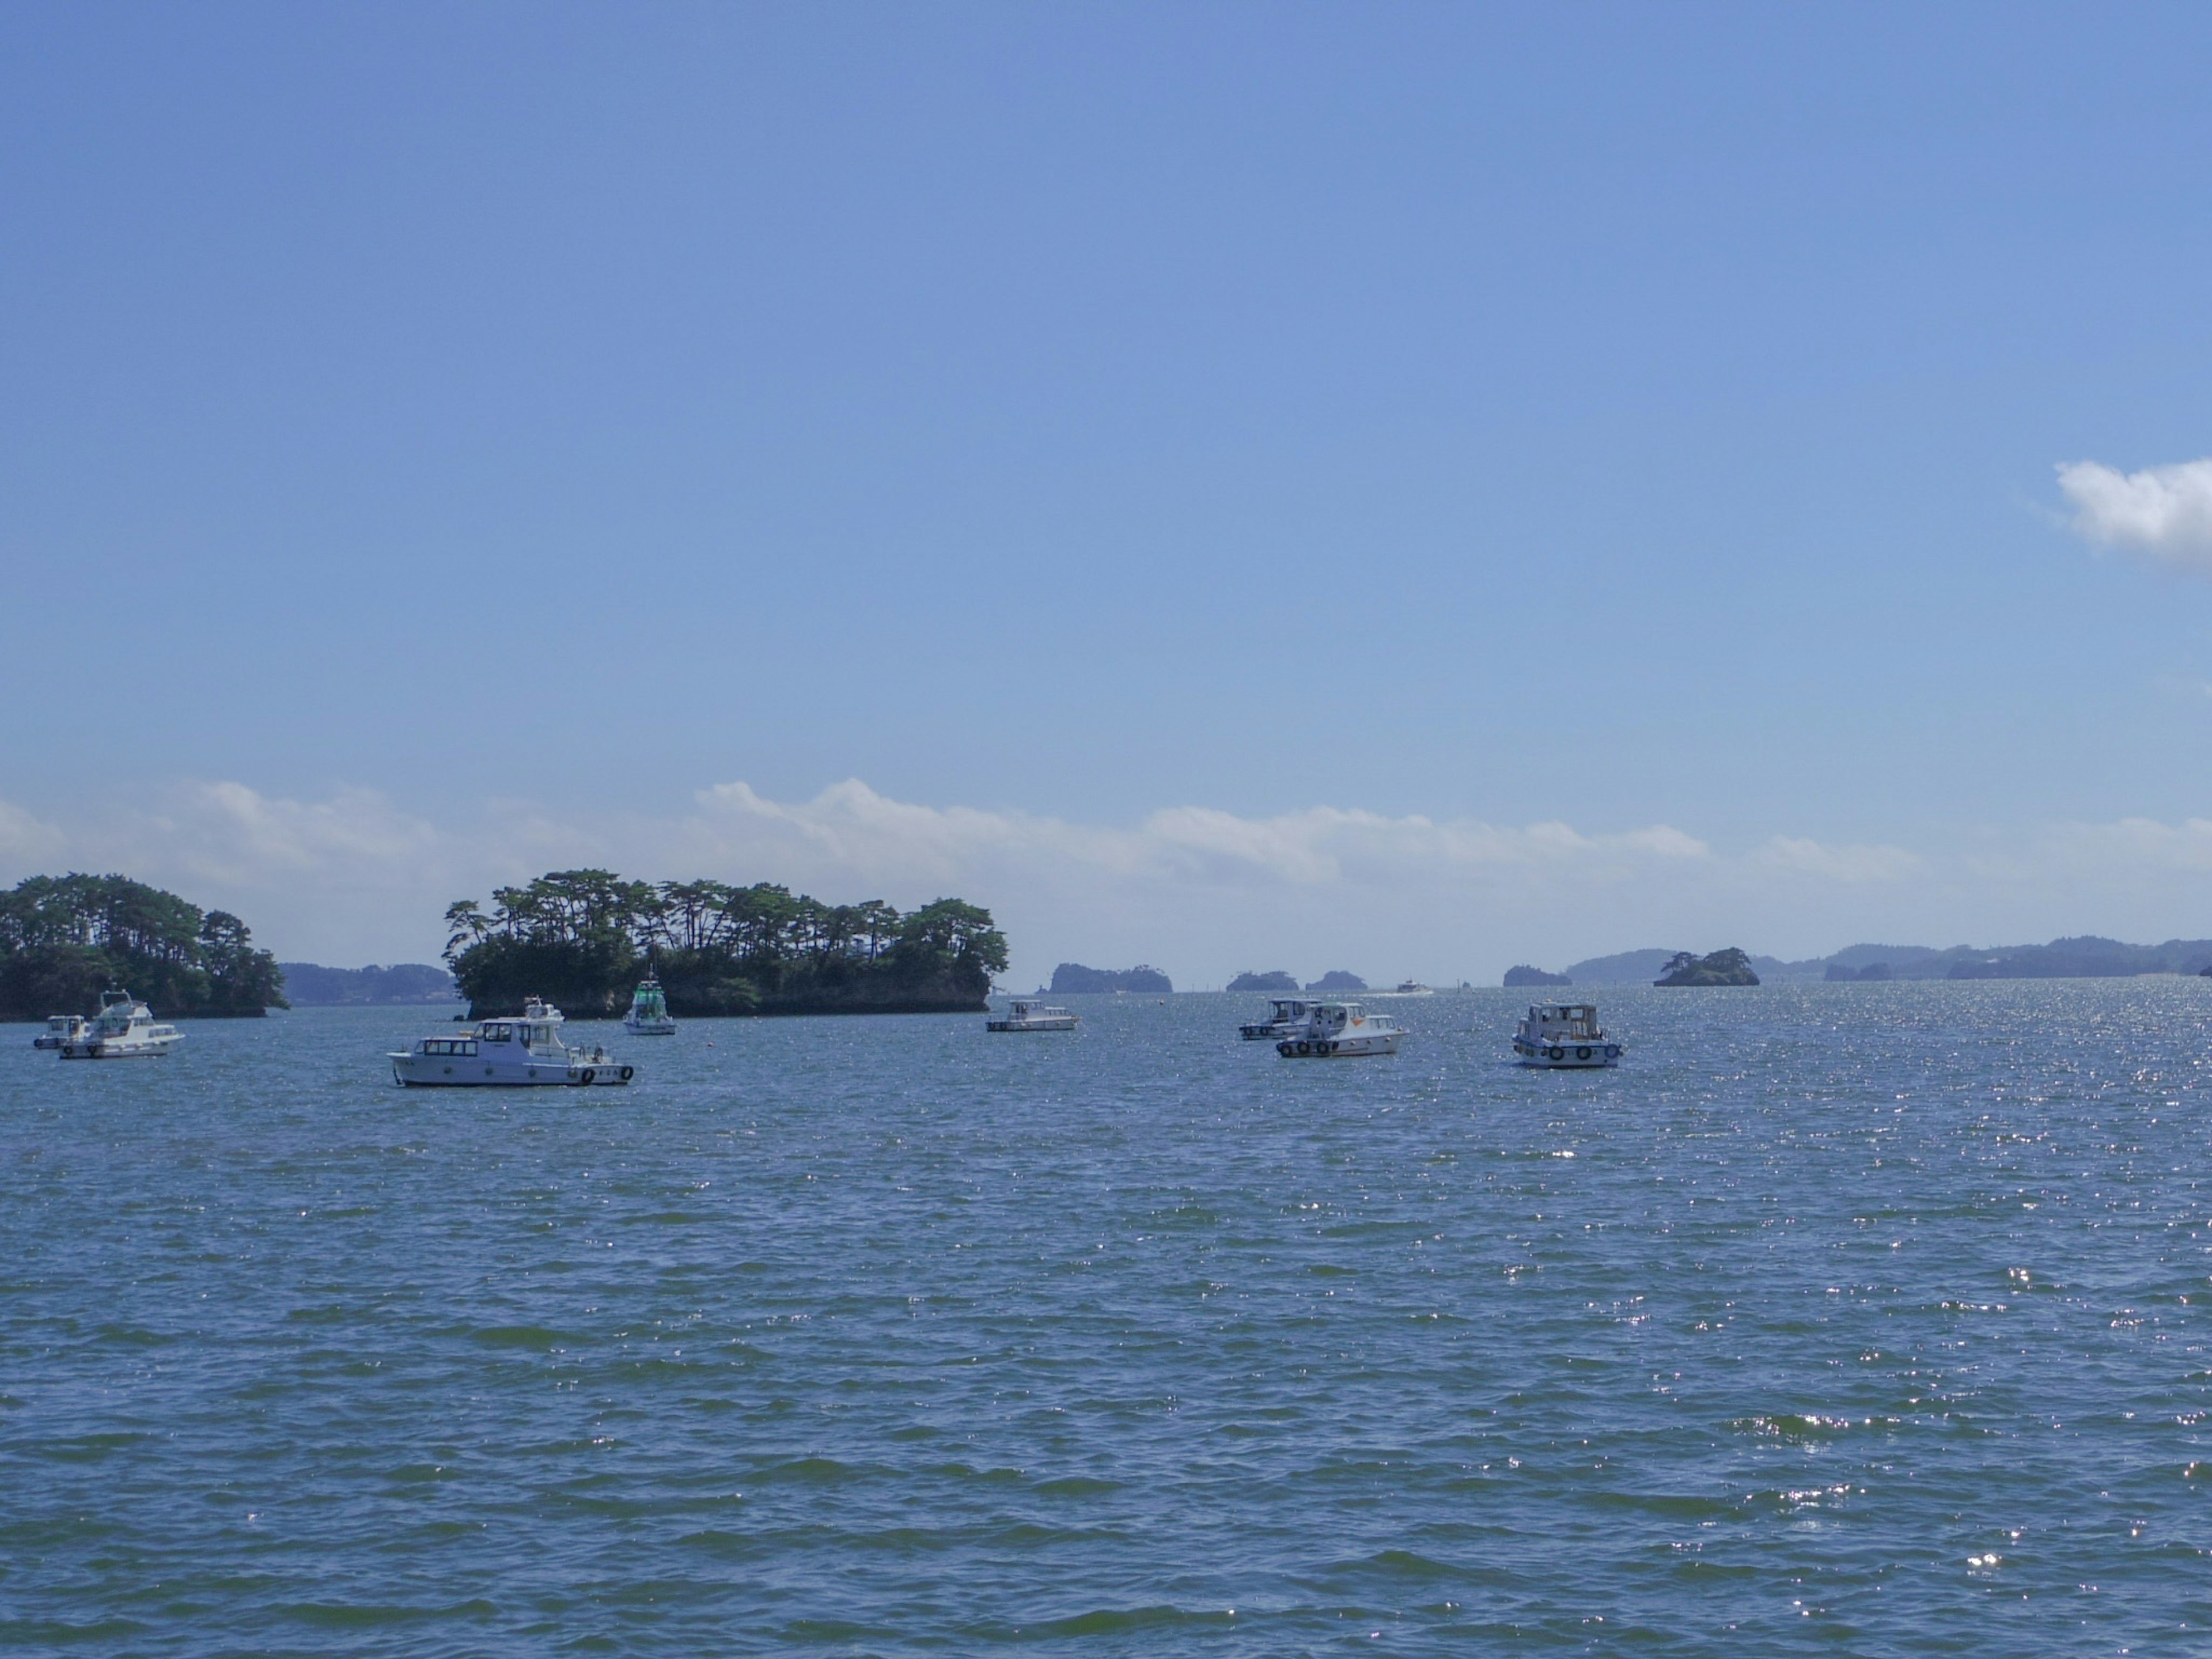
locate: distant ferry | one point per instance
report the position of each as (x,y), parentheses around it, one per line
(1341,1031)
(1027,1016)
(1285,1015)
(507,1053)
(1412,988)
(123,1030)
(1565,1035)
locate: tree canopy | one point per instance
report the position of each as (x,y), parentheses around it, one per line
(64,940)
(583,936)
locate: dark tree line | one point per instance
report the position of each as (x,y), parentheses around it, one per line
(64,940)
(584,938)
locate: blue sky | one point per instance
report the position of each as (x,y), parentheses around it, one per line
(1310,483)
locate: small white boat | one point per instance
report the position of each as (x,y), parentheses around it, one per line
(1285,1015)
(1341,1031)
(1027,1016)
(510,1052)
(60,1029)
(648,1012)
(123,1030)
(1564,1035)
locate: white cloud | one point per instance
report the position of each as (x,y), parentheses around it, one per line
(25,840)
(1846,863)
(1196,889)
(228,833)
(2162,511)
(850,828)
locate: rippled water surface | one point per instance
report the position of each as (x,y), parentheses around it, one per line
(1868,1319)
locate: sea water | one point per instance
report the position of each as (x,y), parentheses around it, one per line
(1864,1319)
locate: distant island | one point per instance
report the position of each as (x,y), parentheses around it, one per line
(1874,972)
(1269,983)
(1728,967)
(1337,980)
(2084,957)
(64,940)
(1521,974)
(404,984)
(1074,979)
(583,939)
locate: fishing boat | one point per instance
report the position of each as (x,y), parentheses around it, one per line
(1026,1016)
(648,1012)
(60,1029)
(1412,987)
(1284,1016)
(1565,1035)
(123,1030)
(1341,1031)
(507,1052)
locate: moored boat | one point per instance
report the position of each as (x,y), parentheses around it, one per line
(648,1011)
(123,1030)
(513,1052)
(1028,1016)
(60,1029)
(1285,1015)
(1341,1031)
(1565,1035)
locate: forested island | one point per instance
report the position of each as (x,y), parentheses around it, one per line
(582,939)
(1338,979)
(64,940)
(1269,982)
(1074,979)
(1728,967)
(1521,974)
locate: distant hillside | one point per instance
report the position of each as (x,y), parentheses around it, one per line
(1337,980)
(310,986)
(1629,968)
(1267,983)
(1074,979)
(2084,958)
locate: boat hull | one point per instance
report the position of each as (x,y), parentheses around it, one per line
(1029,1024)
(650,1027)
(1353,1048)
(442,1071)
(1567,1056)
(153,1048)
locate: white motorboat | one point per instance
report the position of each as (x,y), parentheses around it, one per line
(1564,1035)
(1341,1031)
(515,1052)
(60,1029)
(1027,1016)
(123,1030)
(1285,1017)
(1412,987)
(648,1012)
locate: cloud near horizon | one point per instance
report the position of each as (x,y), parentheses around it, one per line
(1199,891)
(2164,512)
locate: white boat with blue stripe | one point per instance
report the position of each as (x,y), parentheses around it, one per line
(516,1052)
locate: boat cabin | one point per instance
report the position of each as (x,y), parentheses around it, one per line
(1576,1021)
